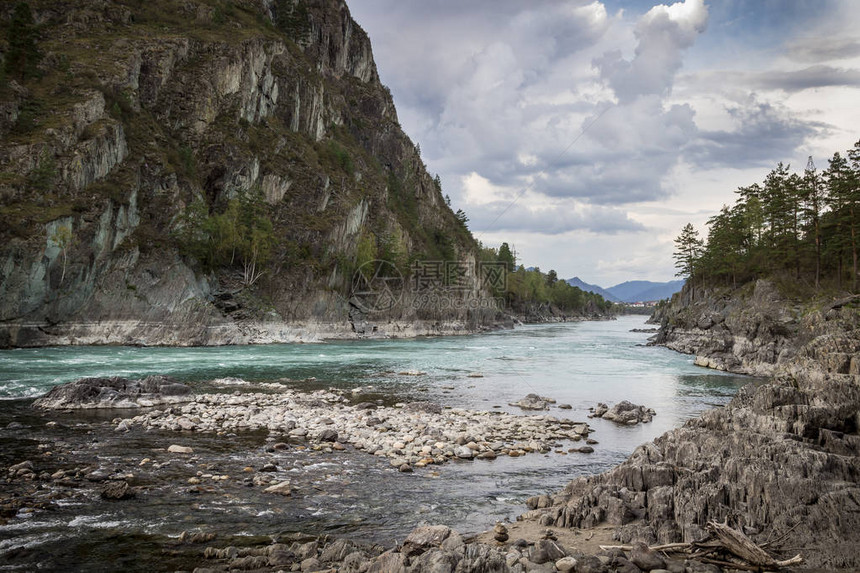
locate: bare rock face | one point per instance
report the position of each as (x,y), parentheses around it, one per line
(115,392)
(295,111)
(749,333)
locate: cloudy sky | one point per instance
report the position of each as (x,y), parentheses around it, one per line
(586,134)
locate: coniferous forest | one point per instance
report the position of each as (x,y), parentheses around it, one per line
(803,225)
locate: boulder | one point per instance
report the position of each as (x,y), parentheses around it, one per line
(625,413)
(644,558)
(328,435)
(117,490)
(423,538)
(533,402)
(115,392)
(546,551)
(281,488)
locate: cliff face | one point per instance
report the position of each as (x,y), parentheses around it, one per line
(148,122)
(781,461)
(753,330)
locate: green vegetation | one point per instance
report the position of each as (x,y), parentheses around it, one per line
(242,234)
(524,288)
(23,55)
(63,238)
(42,178)
(803,226)
(292,18)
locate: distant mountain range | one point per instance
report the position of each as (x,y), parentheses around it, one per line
(577,282)
(631,291)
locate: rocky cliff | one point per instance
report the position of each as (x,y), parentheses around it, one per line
(754,329)
(148,127)
(781,461)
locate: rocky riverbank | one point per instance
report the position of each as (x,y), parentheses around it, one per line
(781,461)
(258,442)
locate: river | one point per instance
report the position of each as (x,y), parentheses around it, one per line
(350,493)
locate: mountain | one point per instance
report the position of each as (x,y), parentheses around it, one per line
(210,173)
(579,283)
(643,291)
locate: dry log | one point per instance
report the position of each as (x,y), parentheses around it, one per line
(666,547)
(742,546)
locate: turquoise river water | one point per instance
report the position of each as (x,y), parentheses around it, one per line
(355,495)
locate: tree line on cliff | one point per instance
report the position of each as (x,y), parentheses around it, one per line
(805,226)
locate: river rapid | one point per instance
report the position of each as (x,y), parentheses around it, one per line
(347,493)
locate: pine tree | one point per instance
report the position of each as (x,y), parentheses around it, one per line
(23,55)
(688,251)
(813,202)
(507,257)
(852,203)
(839,182)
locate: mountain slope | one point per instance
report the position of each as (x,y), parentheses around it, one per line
(209,173)
(643,291)
(579,283)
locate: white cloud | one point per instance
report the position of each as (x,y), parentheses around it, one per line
(605,123)
(663,34)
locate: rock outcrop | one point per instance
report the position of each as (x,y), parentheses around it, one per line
(752,330)
(624,412)
(781,461)
(115,392)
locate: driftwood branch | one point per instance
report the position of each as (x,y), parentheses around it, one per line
(842,302)
(796,560)
(742,546)
(751,557)
(730,564)
(666,547)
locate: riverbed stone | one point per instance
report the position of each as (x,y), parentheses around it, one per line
(533,402)
(280,488)
(463,452)
(117,490)
(177,449)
